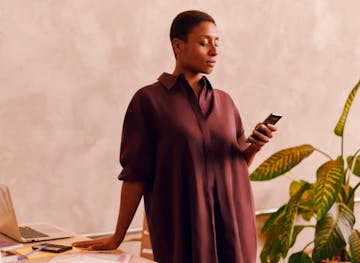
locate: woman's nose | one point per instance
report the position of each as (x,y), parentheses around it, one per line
(214,51)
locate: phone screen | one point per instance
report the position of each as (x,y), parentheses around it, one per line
(272,119)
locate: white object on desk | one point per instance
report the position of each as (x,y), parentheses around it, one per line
(9,259)
(92,257)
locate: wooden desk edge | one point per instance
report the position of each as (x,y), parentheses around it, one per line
(45,256)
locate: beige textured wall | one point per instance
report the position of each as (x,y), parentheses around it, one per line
(69,68)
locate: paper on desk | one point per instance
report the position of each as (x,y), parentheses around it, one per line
(92,257)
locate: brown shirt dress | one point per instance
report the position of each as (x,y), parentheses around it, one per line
(189,154)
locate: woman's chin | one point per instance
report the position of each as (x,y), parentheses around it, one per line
(208,70)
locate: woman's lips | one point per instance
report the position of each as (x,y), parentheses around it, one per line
(211,63)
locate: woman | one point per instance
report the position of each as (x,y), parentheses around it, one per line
(184,149)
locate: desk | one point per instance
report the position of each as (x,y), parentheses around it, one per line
(46,256)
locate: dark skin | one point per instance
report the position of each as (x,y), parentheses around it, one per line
(195,57)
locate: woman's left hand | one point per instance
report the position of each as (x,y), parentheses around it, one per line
(261,134)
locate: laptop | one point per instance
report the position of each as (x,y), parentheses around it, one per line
(28,233)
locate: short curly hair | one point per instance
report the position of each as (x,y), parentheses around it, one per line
(184,22)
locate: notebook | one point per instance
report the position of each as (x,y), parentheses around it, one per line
(25,233)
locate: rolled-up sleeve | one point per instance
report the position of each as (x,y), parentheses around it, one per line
(137,152)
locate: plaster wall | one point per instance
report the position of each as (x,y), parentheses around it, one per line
(68,70)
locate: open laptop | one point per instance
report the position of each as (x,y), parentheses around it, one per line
(28,233)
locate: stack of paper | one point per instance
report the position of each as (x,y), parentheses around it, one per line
(7,245)
(92,257)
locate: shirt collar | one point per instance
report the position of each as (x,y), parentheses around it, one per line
(169,80)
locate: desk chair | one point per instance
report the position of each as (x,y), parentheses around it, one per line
(146,249)
(144,239)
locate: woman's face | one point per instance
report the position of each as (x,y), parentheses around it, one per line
(198,53)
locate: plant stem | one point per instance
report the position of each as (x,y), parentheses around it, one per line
(354,159)
(352,193)
(324,153)
(357,152)
(347,177)
(353,164)
(304,226)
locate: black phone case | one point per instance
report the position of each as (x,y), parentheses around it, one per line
(54,248)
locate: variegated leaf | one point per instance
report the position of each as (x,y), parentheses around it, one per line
(294,187)
(271,252)
(287,224)
(356,169)
(296,232)
(306,208)
(308,195)
(339,129)
(281,162)
(306,214)
(354,241)
(273,219)
(329,179)
(330,231)
(346,196)
(300,257)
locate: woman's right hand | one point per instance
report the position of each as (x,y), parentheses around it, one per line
(131,193)
(107,243)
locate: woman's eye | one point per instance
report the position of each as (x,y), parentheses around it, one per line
(207,43)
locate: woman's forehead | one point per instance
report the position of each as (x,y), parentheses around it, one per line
(204,29)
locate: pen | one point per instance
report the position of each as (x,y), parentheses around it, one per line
(25,256)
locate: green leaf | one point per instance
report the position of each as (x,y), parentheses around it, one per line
(354,241)
(281,162)
(346,196)
(287,224)
(280,229)
(329,180)
(296,232)
(356,169)
(306,212)
(271,252)
(273,219)
(295,187)
(330,231)
(306,209)
(300,257)
(339,129)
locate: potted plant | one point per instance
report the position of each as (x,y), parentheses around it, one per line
(328,201)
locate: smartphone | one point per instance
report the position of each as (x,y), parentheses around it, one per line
(272,119)
(53,248)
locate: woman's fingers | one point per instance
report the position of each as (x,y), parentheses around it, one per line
(99,247)
(272,127)
(97,244)
(262,134)
(85,244)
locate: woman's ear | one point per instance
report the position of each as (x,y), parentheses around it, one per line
(177,45)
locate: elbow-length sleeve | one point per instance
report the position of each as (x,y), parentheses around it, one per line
(137,152)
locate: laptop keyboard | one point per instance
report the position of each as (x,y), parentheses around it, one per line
(27,232)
